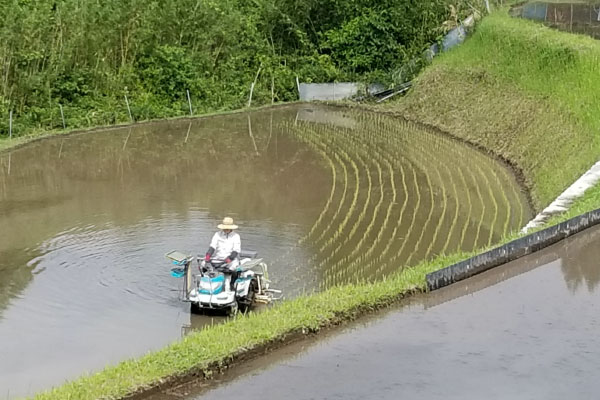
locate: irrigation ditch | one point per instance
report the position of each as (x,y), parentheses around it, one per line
(512,250)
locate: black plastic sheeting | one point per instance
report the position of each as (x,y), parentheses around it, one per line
(511,251)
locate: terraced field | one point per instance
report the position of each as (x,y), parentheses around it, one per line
(326,195)
(399,193)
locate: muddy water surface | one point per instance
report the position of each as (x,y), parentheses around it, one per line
(525,330)
(325,196)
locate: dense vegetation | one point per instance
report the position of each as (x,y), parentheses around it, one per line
(86,55)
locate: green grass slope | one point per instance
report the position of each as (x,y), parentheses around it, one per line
(523,91)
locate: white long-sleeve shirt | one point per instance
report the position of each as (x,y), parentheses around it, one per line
(224,244)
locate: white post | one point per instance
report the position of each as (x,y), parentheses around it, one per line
(252,86)
(272,89)
(298,85)
(62,116)
(487,6)
(128,108)
(10,124)
(189,102)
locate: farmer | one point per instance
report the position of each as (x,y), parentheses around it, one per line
(224,249)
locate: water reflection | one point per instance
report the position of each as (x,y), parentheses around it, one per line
(581,265)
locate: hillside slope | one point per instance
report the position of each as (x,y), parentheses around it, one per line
(527,93)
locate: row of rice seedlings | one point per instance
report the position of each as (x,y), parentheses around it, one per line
(339,209)
(372,220)
(456,202)
(336,146)
(329,201)
(449,146)
(346,262)
(361,217)
(507,208)
(359,261)
(332,167)
(393,236)
(429,167)
(314,142)
(470,207)
(328,256)
(346,268)
(376,154)
(494,203)
(488,168)
(455,218)
(350,210)
(441,219)
(516,199)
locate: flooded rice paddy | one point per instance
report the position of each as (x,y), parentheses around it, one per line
(327,196)
(524,330)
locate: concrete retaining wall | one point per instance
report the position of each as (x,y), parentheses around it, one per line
(511,251)
(327,91)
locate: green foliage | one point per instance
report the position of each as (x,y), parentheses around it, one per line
(384,35)
(167,71)
(85,55)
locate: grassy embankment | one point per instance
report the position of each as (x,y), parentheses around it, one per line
(526,93)
(529,94)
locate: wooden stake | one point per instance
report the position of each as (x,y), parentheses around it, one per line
(62,116)
(128,108)
(272,89)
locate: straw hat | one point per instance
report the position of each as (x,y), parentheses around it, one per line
(227,224)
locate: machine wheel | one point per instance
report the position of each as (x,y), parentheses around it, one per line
(249,300)
(195,308)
